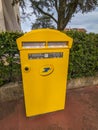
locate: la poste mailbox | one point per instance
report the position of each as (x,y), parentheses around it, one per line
(44,55)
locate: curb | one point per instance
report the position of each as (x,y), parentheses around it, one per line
(82,82)
(11,91)
(14,91)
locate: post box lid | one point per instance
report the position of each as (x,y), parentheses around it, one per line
(42,36)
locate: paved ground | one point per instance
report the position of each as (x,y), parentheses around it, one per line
(80,113)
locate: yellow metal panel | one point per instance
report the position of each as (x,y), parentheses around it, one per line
(44,93)
(44,72)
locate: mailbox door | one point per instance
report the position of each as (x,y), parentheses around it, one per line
(44,75)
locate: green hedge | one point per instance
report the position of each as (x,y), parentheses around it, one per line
(9,60)
(83,56)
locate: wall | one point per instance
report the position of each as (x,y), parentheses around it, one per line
(2,23)
(9,19)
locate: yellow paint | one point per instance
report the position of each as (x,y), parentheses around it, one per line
(44,69)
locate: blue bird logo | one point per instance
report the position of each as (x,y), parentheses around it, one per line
(46,69)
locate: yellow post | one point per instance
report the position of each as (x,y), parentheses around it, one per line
(44,55)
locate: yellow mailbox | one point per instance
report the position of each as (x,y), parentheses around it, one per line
(44,55)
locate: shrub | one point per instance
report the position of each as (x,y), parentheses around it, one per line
(9,57)
(84,55)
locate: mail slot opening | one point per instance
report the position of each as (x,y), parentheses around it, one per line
(33,44)
(57,44)
(45,55)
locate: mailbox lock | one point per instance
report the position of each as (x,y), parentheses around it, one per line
(26,69)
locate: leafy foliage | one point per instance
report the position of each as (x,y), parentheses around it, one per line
(43,22)
(9,57)
(60,11)
(83,56)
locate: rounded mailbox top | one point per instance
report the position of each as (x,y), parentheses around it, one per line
(41,36)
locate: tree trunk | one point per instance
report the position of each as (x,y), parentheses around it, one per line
(61,15)
(65,13)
